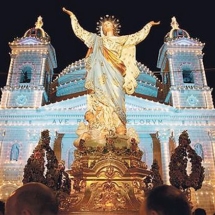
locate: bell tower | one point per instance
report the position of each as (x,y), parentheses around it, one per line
(31,68)
(182,69)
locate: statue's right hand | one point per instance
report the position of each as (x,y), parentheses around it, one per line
(70,13)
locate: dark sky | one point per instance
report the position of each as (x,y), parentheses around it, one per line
(18,16)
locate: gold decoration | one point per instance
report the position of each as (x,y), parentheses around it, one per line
(104,176)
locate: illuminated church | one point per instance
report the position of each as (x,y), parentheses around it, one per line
(159,110)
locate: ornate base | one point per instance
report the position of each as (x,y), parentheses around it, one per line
(107,178)
(99,213)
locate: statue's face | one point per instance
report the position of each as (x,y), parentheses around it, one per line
(89,116)
(107,26)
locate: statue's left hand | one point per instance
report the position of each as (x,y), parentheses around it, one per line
(154,23)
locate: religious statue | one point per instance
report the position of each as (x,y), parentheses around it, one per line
(111,70)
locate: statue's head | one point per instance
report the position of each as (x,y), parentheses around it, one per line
(108,23)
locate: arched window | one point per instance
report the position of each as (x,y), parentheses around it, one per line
(188,76)
(26,73)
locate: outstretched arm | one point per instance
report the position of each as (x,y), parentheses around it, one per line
(81,33)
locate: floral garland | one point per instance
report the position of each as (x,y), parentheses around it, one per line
(178,165)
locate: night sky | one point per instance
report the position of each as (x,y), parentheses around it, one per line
(18,16)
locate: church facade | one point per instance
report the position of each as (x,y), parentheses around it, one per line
(159,110)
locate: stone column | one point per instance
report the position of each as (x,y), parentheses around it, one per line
(10,69)
(42,70)
(163,137)
(171,71)
(203,72)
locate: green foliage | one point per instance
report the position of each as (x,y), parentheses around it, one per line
(183,154)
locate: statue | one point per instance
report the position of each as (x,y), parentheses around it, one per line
(14,153)
(111,70)
(93,131)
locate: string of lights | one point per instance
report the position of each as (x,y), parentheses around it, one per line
(154,72)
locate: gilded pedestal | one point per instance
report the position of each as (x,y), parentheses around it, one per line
(108,177)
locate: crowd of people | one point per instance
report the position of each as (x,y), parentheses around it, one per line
(35,198)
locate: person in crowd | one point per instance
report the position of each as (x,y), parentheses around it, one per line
(199,211)
(2,207)
(111,67)
(165,200)
(33,198)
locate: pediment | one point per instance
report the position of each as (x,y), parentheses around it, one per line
(134,103)
(76,104)
(185,42)
(27,41)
